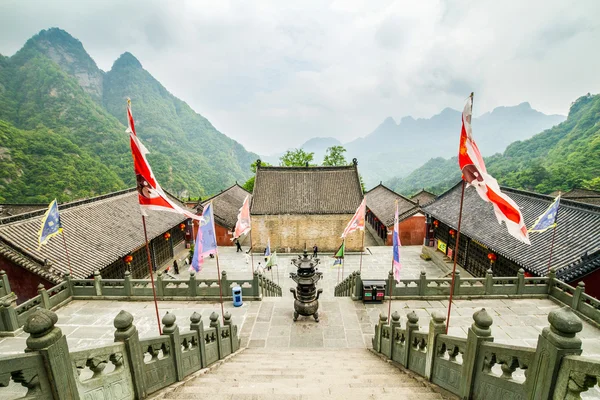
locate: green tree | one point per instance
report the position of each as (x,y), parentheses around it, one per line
(296,158)
(249,185)
(334,156)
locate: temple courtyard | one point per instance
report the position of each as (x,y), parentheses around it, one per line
(343,323)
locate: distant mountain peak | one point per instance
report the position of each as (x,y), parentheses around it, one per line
(56,36)
(127,60)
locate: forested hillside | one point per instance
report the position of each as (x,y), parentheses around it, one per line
(560,158)
(62,123)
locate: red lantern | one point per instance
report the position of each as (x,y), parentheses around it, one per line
(167,236)
(492,257)
(182,227)
(452,232)
(128,259)
(436,223)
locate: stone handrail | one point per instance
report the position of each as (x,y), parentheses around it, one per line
(128,369)
(351,286)
(26,370)
(267,286)
(477,368)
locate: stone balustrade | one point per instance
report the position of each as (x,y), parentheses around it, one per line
(131,368)
(13,317)
(478,368)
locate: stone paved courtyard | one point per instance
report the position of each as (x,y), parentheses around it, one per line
(344,323)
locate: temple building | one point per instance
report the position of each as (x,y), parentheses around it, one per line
(298,207)
(381,203)
(423,197)
(100,234)
(583,196)
(486,244)
(226,206)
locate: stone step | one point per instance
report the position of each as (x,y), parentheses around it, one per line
(257,380)
(302,396)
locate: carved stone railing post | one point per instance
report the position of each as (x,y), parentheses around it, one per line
(5,284)
(555,342)
(235,342)
(378,328)
(97,284)
(551,280)
(159,284)
(214,323)
(45,303)
(422,283)
(68,278)
(391,283)
(579,290)
(394,323)
(357,294)
(197,325)
(489,282)
(127,334)
(127,284)
(437,325)
(48,341)
(8,317)
(256,285)
(521,281)
(192,285)
(456,283)
(479,332)
(171,329)
(412,324)
(224,284)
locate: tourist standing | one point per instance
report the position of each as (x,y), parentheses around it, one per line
(315,251)
(238,246)
(248,257)
(176,267)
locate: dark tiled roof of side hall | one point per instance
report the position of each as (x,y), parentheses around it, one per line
(583,196)
(10,210)
(586,264)
(98,231)
(382,202)
(423,197)
(306,190)
(578,229)
(227,204)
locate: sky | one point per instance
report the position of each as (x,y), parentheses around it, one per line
(273,74)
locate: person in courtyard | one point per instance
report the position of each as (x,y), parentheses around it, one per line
(176,267)
(315,251)
(238,246)
(260,268)
(247,257)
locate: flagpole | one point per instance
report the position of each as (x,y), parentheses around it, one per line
(151,275)
(62,232)
(391,291)
(362,246)
(553,236)
(338,278)
(219,280)
(251,254)
(462,197)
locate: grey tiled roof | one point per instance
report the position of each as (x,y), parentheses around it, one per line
(585,265)
(98,232)
(578,228)
(382,202)
(423,197)
(306,190)
(227,204)
(583,196)
(9,210)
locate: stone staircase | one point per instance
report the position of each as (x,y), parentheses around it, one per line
(284,374)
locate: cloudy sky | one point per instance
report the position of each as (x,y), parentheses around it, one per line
(273,74)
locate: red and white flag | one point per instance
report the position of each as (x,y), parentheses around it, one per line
(242,225)
(357,221)
(474,173)
(150,194)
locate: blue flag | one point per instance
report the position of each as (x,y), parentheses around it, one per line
(51,225)
(548,219)
(206,240)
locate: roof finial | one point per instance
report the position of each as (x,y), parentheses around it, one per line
(258,163)
(355,162)
(307,164)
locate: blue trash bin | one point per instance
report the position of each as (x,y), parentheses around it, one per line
(237,296)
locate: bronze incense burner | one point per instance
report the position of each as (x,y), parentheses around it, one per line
(306,294)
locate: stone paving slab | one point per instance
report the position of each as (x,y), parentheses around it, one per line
(343,323)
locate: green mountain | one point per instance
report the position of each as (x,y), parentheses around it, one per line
(53,86)
(560,158)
